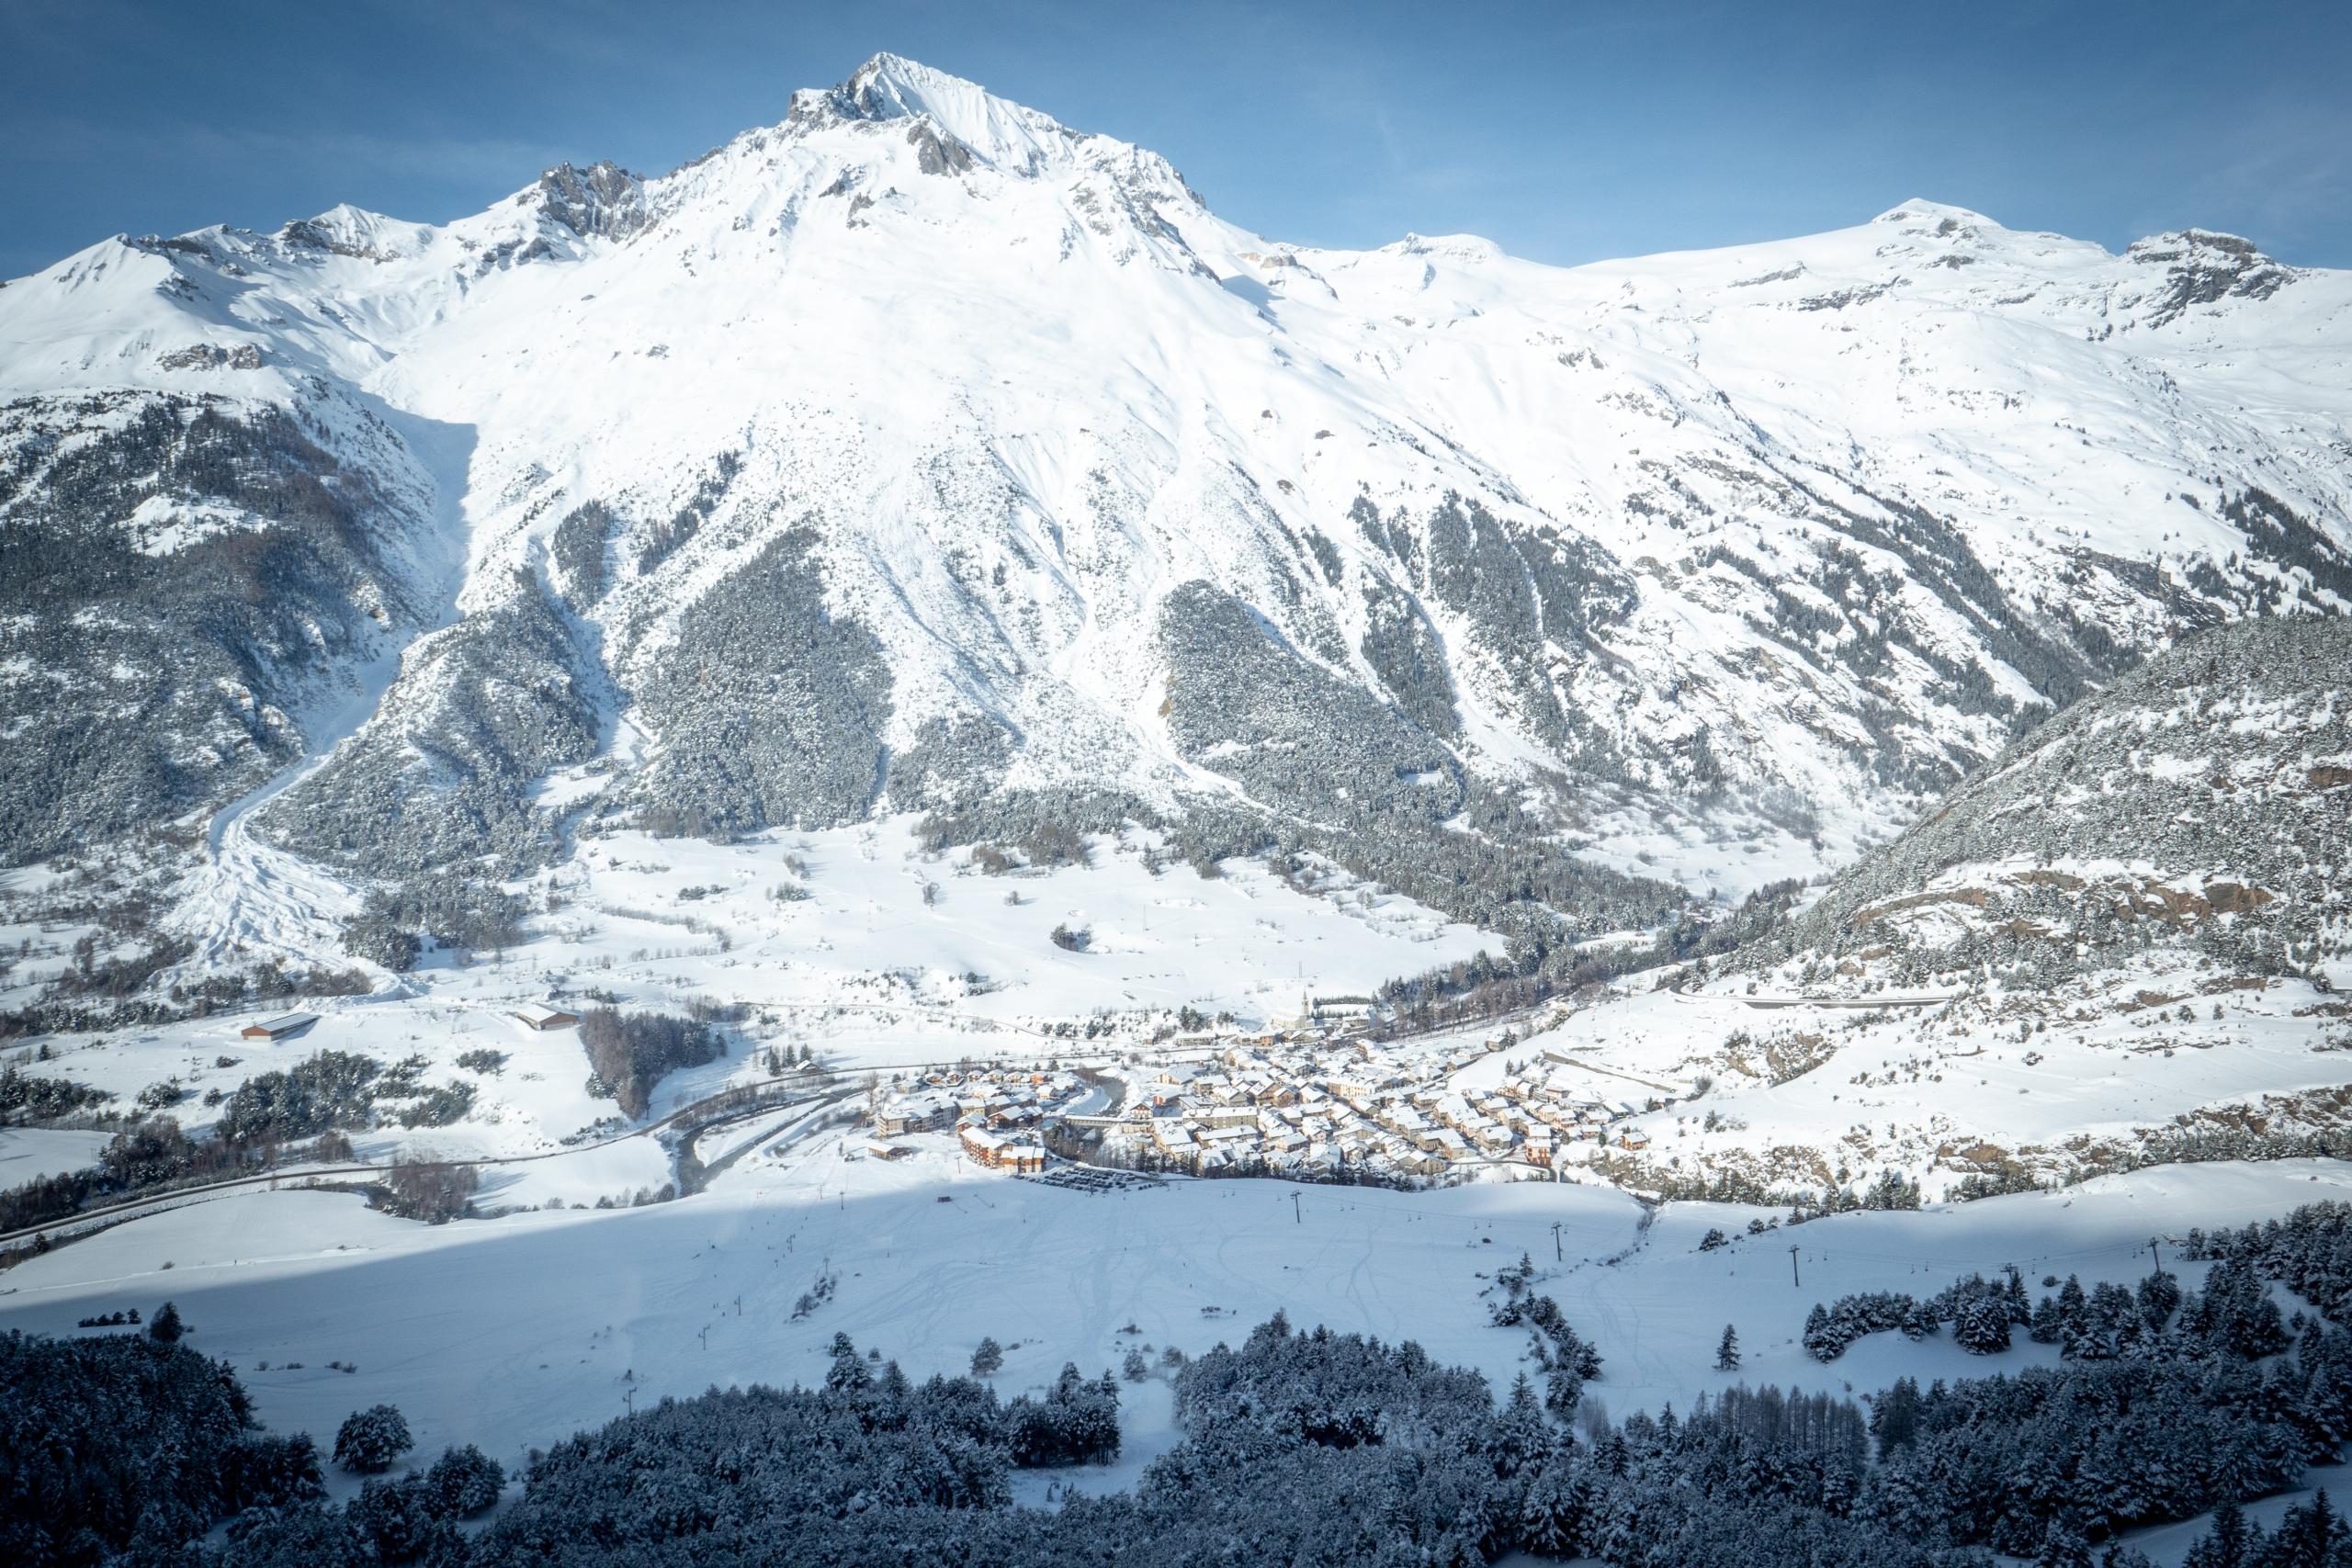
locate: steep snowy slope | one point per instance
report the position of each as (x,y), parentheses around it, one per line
(2203,801)
(920,453)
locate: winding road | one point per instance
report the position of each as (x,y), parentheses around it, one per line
(88,1222)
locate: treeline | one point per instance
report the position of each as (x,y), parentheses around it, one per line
(435,1192)
(1542,963)
(325,1090)
(28,1097)
(229,629)
(393,923)
(127,1441)
(1297,1448)
(1979,1310)
(1566,1358)
(1493,866)
(2309,1251)
(629,1052)
(64,1007)
(152,1156)
(330,1089)
(130,1449)
(2059,1456)
(2231,1315)
(115,976)
(302,1110)
(741,1475)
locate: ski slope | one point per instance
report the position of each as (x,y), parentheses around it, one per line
(514,1332)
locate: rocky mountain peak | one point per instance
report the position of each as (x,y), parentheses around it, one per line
(1763,546)
(1452,247)
(602,200)
(2202,267)
(891,87)
(1934,215)
(958,123)
(345,231)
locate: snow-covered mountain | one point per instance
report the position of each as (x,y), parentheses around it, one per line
(920,453)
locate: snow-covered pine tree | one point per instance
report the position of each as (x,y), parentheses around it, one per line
(166,1328)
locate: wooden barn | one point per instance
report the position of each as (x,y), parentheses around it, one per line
(283,1027)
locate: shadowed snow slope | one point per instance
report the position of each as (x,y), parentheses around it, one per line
(484,1333)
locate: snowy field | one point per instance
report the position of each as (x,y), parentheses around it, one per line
(1244,943)
(514,1332)
(893,959)
(28,1154)
(867,970)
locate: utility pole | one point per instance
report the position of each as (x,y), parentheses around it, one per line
(1296,1217)
(1793,1277)
(2156,1255)
(1557,1255)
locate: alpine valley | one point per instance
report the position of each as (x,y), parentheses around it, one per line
(758,700)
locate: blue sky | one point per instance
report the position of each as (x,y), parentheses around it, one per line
(1567,132)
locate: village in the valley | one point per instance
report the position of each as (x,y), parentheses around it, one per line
(1317,1095)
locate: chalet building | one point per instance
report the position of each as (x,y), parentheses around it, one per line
(1491,1138)
(1173,1138)
(914,1113)
(544,1019)
(1338,1101)
(1000,1152)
